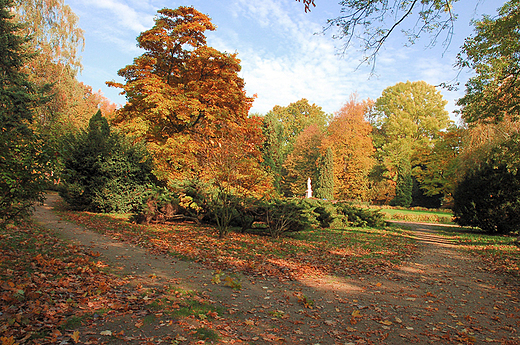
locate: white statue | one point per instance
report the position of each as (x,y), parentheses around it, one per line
(309,188)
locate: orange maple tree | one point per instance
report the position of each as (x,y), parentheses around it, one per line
(185,98)
(349,138)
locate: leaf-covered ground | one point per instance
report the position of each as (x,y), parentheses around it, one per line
(317,252)
(132,285)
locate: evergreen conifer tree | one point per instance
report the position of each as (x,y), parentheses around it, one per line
(325,185)
(23,160)
(104,171)
(404,184)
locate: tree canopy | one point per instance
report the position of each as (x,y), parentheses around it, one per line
(23,159)
(372,22)
(493,53)
(186,99)
(409,118)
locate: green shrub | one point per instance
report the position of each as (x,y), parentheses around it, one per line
(290,215)
(359,217)
(103,171)
(489,198)
(323,211)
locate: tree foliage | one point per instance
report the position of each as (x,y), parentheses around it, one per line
(437,174)
(493,53)
(103,171)
(54,29)
(186,99)
(282,126)
(56,43)
(23,158)
(409,118)
(325,183)
(302,162)
(351,144)
(489,195)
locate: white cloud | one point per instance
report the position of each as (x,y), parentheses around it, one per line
(124,15)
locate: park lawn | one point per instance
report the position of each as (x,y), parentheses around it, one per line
(499,252)
(315,251)
(417,215)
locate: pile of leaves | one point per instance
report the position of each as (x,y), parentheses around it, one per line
(318,251)
(48,288)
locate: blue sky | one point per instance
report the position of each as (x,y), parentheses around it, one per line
(283,59)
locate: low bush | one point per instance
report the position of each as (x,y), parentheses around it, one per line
(291,215)
(359,217)
(161,205)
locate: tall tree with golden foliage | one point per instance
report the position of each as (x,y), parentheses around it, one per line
(349,138)
(186,99)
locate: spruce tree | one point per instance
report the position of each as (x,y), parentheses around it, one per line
(23,160)
(325,185)
(104,171)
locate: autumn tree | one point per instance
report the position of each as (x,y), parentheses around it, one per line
(409,117)
(23,158)
(56,43)
(282,125)
(440,167)
(493,53)
(183,97)
(302,162)
(351,144)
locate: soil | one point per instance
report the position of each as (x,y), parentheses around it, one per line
(441,295)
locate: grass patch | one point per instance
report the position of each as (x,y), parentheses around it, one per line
(206,334)
(499,252)
(422,216)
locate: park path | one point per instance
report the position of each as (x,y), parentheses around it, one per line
(441,295)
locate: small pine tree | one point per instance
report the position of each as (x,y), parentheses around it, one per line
(23,159)
(325,185)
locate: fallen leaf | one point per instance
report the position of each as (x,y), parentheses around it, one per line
(75,336)
(106,332)
(386,322)
(356,313)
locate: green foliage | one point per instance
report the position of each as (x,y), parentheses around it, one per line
(410,118)
(489,198)
(325,185)
(23,157)
(489,195)
(323,211)
(103,171)
(289,215)
(494,92)
(404,185)
(359,217)
(282,125)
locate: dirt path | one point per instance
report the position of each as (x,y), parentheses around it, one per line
(440,296)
